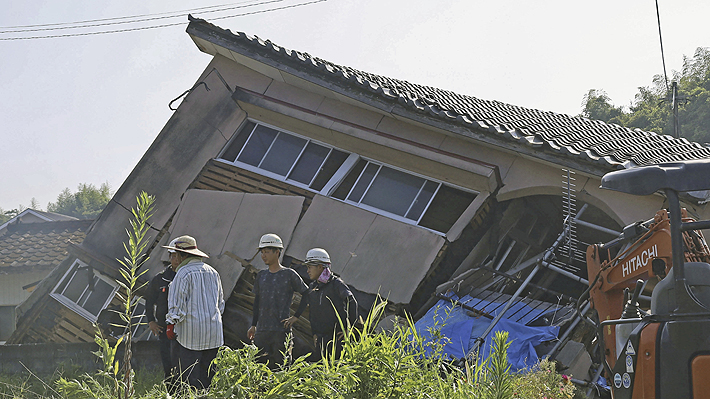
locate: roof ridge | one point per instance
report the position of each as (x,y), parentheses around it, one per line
(529,126)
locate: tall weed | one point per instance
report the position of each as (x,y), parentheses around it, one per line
(395,364)
(110,381)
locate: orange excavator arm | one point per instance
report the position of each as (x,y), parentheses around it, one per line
(648,256)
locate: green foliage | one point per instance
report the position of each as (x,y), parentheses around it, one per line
(543,382)
(6,215)
(112,382)
(378,365)
(86,203)
(597,105)
(388,364)
(651,109)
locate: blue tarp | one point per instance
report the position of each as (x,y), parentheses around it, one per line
(463,330)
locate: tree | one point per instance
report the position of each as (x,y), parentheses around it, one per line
(86,203)
(651,109)
(597,105)
(6,215)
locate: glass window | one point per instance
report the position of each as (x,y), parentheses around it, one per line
(399,194)
(363,182)
(96,297)
(393,191)
(309,163)
(347,184)
(332,164)
(422,201)
(283,154)
(84,290)
(446,208)
(259,142)
(230,154)
(77,284)
(425,202)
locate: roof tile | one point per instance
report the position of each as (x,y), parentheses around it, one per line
(39,245)
(597,142)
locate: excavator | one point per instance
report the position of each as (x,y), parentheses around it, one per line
(662,351)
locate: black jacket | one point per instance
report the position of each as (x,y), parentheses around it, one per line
(156,299)
(323,299)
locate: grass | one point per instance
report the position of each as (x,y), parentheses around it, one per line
(31,386)
(373,365)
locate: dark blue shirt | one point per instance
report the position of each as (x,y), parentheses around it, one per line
(274,294)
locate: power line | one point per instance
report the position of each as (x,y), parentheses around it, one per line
(130,21)
(663,57)
(162,25)
(117,18)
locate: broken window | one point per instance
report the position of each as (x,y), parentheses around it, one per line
(84,290)
(365,183)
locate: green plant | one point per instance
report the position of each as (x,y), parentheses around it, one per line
(543,382)
(112,381)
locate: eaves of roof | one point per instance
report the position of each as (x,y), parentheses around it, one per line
(586,145)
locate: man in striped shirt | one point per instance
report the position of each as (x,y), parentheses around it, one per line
(195,307)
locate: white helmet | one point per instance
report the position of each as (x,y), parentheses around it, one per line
(270,240)
(317,255)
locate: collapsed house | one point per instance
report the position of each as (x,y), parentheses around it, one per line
(417,193)
(32,244)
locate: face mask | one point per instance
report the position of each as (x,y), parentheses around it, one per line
(325,275)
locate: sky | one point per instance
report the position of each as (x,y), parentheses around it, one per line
(84,109)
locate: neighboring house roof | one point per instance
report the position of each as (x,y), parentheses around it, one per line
(604,145)
(41,245)
(33,216)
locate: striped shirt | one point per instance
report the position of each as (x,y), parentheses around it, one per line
(195,305)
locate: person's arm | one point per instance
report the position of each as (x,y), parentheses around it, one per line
(255,310)
(177,295)
(302,306)
(255,313)
(150,298)
(349,301)
(297,283)
(221,295)
(299,286)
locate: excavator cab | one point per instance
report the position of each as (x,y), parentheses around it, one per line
(667,353)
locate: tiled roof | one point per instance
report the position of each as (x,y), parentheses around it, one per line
(40,245)
(605,145)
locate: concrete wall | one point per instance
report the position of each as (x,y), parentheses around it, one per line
(526,177)
(43,359)
(11,292)
(197,131)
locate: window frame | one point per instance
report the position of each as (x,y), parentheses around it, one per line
(337,178)
(381,165)
(77,308)
(267,173)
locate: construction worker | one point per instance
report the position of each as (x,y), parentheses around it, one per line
(156,307)
(326,295)
(194,318)
(273,292)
